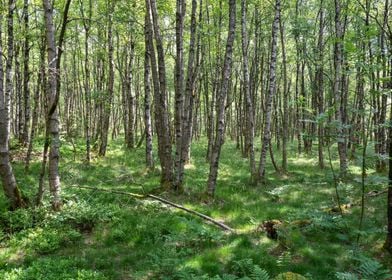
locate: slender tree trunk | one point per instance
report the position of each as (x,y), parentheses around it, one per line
(147,99)
(304,102)
(19,108)
(40,87)
(130,101)
(285,128)
(26,73)
(381,162)
(190,86)
(162,123)
(214,67)
(319,80)
(110,87)
(250,129)
(87,93)
(222,100)
(270,95)
(338,89)
(298,116)
(122,61)
(188,99)
(53,92)
(388,243)
(52,118)
(10,187)
(44,95)
(179,95)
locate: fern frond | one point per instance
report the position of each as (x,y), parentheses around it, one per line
(372,269)
(346,276)
(259,274)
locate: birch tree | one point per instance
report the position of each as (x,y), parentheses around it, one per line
(10,187)
(270,95)
(222,100)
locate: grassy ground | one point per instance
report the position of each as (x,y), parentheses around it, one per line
(107,236)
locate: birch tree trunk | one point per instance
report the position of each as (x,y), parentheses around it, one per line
(26,73)
(298,115)
(190,86)
(338,89)
(381,162)
(250,129)
(270,95)
(10,187)
(319,80)
(53,92)
(162,123)
(87,93)
(147,99)
(285,121)
(19,119)
(110,86)
(132,109)
(167,164)
(179,95)
(222,100)
(53,118)
(40,87)
(388,243)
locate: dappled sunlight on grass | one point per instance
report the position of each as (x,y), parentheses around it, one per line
(190,166)
(356,170)
(144,239)
(301,161)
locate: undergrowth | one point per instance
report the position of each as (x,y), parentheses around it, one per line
(100,235)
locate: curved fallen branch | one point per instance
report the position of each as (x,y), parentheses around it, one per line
(376,193)
(219,224)
(141,196)
(165,201)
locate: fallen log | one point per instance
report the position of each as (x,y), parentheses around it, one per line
(141,196)
(219,224)
(345,207)
(164,201)
(376,193)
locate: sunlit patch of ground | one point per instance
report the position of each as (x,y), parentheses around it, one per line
(145,239)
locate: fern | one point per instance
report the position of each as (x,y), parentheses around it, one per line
(259,274)
(247,270)
(284,259)
(242,267)
(346,276)
(290,276)
(368,270)
(229,277)
(373,270)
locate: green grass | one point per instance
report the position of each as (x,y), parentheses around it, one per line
(108,236)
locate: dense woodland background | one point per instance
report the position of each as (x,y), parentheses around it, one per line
(273,118)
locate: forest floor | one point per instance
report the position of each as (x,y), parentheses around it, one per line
(101,235)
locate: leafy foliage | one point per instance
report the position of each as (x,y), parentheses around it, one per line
(290,276)
(105,235)
(246,268)
(372,269)
(53,269)
(346,276)
(367,269)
